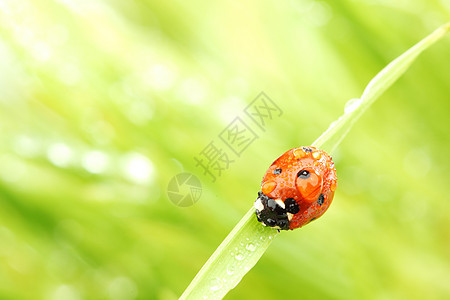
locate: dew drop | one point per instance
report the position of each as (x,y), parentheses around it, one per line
(215,284)
(240,256)
(230,270)
(332,124)
(352,105)
(250,247)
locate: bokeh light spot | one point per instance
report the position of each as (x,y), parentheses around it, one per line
(417,163)
(41,51)
(193,91)
(137,168)
(60,154)
(26,146)
(160,77)
(140,112)
(95,161)
(65,292)
(122,288)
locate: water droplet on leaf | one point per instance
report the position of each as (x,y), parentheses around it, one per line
(239,256)
(250,247)
(351,105)
(215,284)
(230,270)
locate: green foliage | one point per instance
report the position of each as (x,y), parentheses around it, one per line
(248,241)
(103,102)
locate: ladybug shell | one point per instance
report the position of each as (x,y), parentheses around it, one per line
(297,188)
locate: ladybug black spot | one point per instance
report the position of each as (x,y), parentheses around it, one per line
(277,171)
(320,200)
(303,174)
(307,149)
(291,206)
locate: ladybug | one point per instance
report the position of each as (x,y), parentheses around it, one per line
(297,188)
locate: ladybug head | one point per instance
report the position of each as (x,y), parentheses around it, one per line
(275,212)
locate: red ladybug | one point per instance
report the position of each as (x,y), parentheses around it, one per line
(297,188)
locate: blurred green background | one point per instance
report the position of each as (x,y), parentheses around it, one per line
(103,102)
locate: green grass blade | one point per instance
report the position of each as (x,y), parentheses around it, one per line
(248,241)
(354,108)
(237,254)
